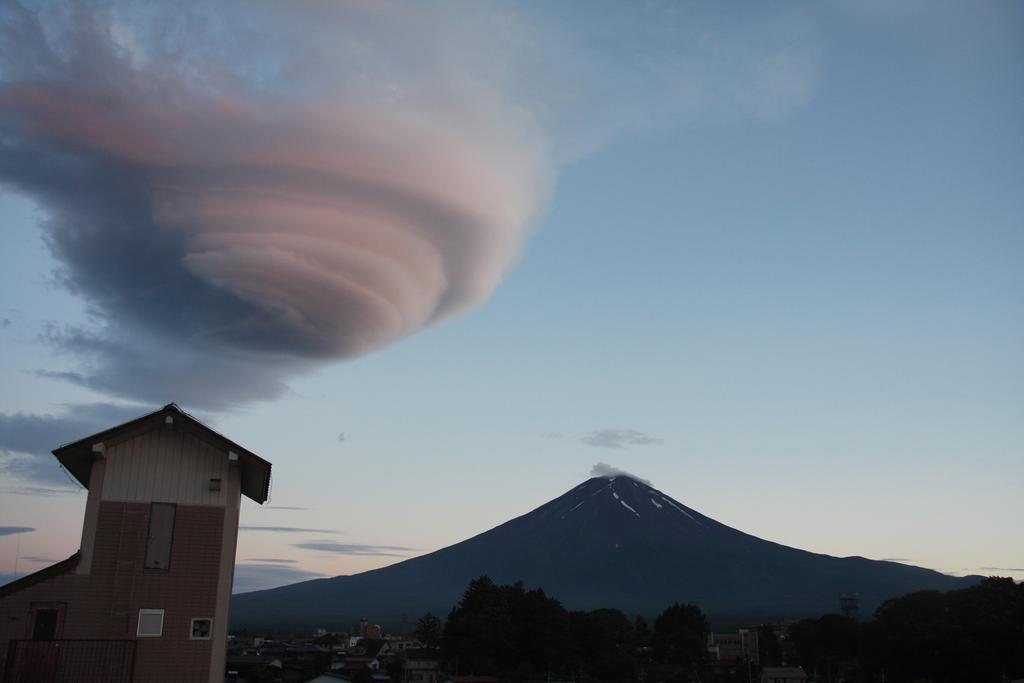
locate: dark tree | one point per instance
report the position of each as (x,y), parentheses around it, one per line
(506,631)
(974,634)
(681,637)
(428,630)
(603,645)
(827,645)
(641,632)
(769,647)
(640,640)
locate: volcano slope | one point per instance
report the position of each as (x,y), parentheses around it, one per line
(609,542)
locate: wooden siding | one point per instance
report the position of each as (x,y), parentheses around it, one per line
(165,465)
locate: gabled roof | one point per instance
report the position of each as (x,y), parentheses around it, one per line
(77,457)
(39,576)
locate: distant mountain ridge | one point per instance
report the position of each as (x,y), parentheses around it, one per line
(609,542)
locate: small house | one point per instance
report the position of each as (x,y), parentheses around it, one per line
(146,596)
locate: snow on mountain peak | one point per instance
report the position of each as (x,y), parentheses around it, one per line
(625,498)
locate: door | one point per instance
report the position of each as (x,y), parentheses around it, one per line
(45,627)
(46,620)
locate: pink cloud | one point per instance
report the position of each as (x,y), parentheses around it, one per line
(343,228)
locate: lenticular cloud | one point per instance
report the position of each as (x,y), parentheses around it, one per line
(214,212)
(241,191)
(320,230)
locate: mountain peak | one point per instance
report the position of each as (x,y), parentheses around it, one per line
(611,541)
(623,494)
(603,469)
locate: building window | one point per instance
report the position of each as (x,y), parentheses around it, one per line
(161,533)
(202,629)
(151,623)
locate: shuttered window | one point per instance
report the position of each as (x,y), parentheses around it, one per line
(161,535)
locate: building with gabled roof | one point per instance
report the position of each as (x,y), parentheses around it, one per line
(147,595)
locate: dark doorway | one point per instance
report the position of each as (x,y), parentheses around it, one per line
(45,626)
(38,660)
(46,620)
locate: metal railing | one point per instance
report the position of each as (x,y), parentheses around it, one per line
(70,661)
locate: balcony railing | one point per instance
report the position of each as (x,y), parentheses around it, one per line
(70,661)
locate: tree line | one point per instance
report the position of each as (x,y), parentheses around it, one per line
(521,635)
(973,634)
(516,634)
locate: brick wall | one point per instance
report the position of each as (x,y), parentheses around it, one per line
(106,604)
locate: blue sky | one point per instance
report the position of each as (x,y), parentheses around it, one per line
(783,242)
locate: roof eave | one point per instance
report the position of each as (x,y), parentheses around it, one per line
(76,457)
